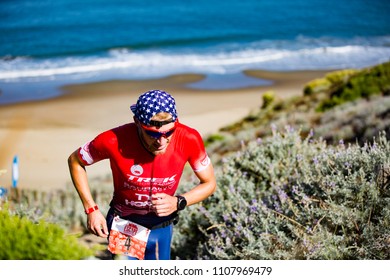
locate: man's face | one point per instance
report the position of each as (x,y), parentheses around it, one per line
(157,139)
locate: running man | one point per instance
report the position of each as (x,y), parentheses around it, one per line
(147,158)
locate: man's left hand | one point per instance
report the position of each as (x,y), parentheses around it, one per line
(164,204)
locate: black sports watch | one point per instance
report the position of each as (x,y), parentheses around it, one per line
(181,202)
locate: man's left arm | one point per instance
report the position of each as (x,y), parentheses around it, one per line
(206,187)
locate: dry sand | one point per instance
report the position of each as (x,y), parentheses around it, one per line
(44,133)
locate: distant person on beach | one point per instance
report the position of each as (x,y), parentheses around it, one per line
(147,158)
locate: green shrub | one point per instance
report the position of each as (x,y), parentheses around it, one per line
(316,85)
(331,79)
(213,138)
(355,85)
(268,98)
(291,198)
(340,76)
(21,239)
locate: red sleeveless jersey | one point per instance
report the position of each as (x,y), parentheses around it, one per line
(136,172)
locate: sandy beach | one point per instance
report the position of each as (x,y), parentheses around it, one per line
(43,133)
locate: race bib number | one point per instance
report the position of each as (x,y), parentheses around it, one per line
(128,238)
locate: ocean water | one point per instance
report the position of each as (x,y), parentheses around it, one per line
(45,44)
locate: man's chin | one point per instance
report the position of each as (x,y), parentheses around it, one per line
(159,151)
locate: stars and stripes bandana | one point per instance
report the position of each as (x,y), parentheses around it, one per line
(153,102)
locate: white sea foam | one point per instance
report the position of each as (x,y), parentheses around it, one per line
(145,64)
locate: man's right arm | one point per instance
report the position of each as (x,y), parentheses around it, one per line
(95,220)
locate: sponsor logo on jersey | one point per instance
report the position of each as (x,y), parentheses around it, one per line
(137,170)
(146,181)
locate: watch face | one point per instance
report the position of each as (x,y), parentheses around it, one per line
(181,203)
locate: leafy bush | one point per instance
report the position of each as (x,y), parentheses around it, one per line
(331,80)
(21,239)
(361,84)
(291,198)
(340,76)
(213,138)
(316,85)
(268,98)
